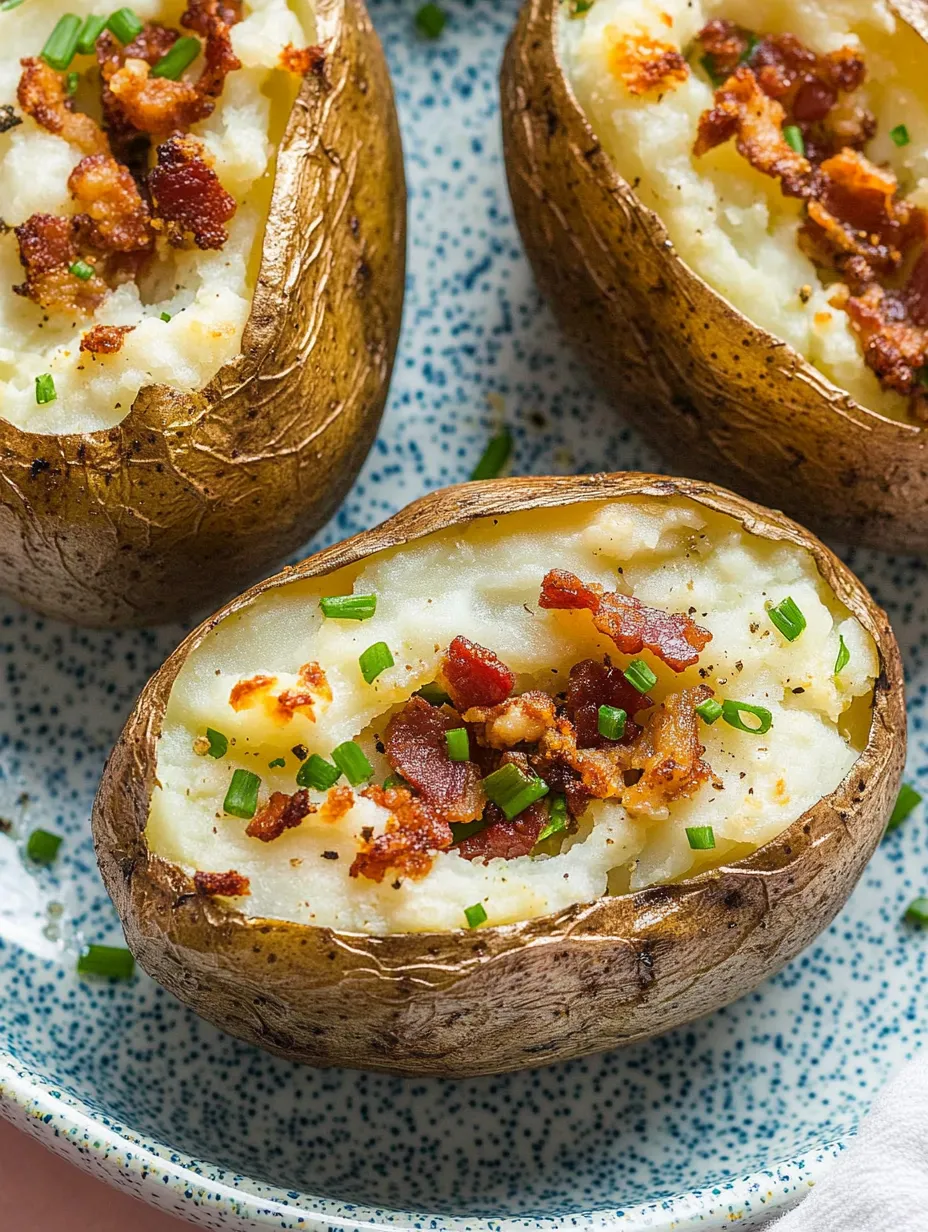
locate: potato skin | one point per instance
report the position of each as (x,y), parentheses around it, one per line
(194,495)
(589,978)
(720,397)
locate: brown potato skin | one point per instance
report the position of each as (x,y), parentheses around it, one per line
(194,495)
(589,978)
(720,397)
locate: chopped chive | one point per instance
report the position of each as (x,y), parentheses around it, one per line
(180,56)
(374,660)
(10,4)
(394,780)
(464,829)
(350,759)
(458,743)
(495,457)
(242,797)
(579,7)
(906,801)
(917,911)
(80,269)
(218,743)
(513,791)
(640,676)
(277,764)
(475,915)
(610,722)
(71,83)
(42,846)
(792,135)
(165,316)
(557,819)
(700,838)
(715,77)
(91,30)
(430,20)
(900,135)
(348,607)
(61,44)
(434,694)
(45,389)
(732,712)
(844,655)
(125,25)
(318,773)
(753,43)
(111,960)
(788,618)
(710,710)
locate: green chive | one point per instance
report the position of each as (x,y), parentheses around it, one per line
(45,389)
(495,457)
(181,56)
(165,316)
(91,30)
(610,722)
(792,135)
(900,135)
(640,676)
(475,915)
(350,759)
(277,764)
(710,710)
(10,4)
(917,911)
(700,838)
(112,960)
(430,20)
(72,82)
(458,743)
(62,42)
(393,780)
(434,694)
(318,773)
(715,77)
(513,791)
(464,829)
(579,7)
(844,655)
(753,43)
(557,819)
(374,660)
(348,607)
(80,269)
(125,25)
(732,711)
(788,619)
(218,743)
(42,846)
(906,801)
(242,797)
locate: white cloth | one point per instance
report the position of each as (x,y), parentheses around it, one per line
(880,1183)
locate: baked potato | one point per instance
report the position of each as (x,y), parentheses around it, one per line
(724,203)
(200,292)
(536,768)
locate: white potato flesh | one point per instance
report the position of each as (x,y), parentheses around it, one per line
(731,224)
(206,294)
(482,581)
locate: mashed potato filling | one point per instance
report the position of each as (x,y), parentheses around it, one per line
(731,224)
(189,307)
(482,581)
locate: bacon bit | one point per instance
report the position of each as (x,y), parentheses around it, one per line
(312,685)
(416,749)
(668,753)
(474,676)
(229,885)
(282,812)
(591,685)
(631,624)
(725,43)
(42,94)
(47,251)
(518,720)
(302,60)
(200,14)
(114,217)
(643,63)
(188,196)
(336,804)
(105,339)
(502,839)
(246,693)
(415,832)
(600,771)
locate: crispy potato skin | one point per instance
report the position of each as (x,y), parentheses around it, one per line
(459,1003)
(718,396)
(193,495)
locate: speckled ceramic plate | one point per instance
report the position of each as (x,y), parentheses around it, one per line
(711,1126)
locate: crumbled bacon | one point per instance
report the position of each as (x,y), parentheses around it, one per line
(282,812)
(312,684)
(725,43)
(113,217)
(416,749)
(244,693)
(47,251)
(518,720)
(502,839)
(336,804)
(229,885)
(199,14)
(42,94)
(632,625)
(594,772)
(474,676)
(669,754)
(643,63)
(591,685)
(415,832)
(105,339)
(302,60)
(187,195)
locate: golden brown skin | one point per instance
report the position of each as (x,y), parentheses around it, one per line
(194,495)
(717,395)
(457,1003)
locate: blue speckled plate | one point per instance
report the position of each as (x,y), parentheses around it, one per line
(706,1128)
